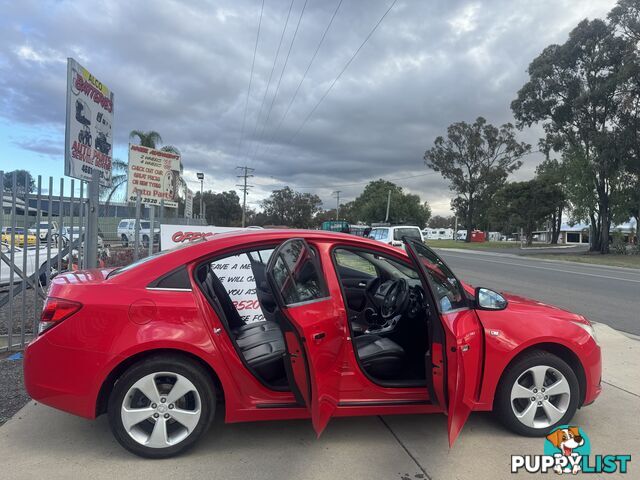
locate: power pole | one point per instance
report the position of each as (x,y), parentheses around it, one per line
(386,218)
(246,174)
(337,194)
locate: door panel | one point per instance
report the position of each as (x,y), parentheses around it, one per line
(313,326)
(457,332)
(464,363)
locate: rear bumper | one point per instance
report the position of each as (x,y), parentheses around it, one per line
(61,377)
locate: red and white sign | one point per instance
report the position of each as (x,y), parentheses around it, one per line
(154,174)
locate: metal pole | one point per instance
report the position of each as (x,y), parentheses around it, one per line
(12,256)
(61,223)
(201,187)
(25,249)
(36,299)
(49,230)
(136,228)
(81,230)
(91,237)
(152,211)
(455,230)
(337,192)
(386,218)
(71,222)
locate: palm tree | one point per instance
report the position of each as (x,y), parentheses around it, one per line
(119,169)
(152,139)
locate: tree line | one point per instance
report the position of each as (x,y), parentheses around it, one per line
(585,93)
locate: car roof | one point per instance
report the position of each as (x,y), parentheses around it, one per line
(231,241)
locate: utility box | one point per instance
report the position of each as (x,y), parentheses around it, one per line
(478,236)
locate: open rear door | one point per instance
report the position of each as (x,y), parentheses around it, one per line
(455,352)
(312,325)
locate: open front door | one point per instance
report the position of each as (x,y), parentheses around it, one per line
(312,325)
(455,352)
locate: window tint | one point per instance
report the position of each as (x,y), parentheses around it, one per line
(398,233)
(345,258)
(178,279)
(296,274)
(445,286)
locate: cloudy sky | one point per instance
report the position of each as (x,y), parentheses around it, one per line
(183,69)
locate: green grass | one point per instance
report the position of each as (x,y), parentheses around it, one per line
(471,245)
(629,261)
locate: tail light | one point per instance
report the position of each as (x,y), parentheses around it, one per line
(56,310)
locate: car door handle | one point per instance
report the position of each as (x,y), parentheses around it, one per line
(319,336)
(362,284)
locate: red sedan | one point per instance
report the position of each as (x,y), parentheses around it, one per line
(270,325)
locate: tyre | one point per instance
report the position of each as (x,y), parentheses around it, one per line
(161,406)
(537,392)
(145,241)
(125,240)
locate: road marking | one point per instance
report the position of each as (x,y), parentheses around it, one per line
(547,268)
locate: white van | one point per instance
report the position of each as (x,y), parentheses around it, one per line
(393,235)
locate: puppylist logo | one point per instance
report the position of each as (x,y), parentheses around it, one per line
(567,449)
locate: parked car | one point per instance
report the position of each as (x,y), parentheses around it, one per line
(127,233)
(46,229)
(18,258)
(324,325)
(393,235)
(67,231)
(18,235)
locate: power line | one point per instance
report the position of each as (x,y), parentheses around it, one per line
(255,128)
(304,76)
(345,184)
(245,189)
(286,61)
(253,62)
(304,122)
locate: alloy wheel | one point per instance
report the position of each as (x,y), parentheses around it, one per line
(161,409)
(540,396)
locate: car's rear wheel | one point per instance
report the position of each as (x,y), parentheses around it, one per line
(537,393)
(161,406)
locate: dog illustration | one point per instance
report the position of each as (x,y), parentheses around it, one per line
(566,439)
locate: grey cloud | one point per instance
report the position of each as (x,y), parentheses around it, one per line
(183,70)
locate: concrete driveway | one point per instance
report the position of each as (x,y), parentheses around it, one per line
(40,442)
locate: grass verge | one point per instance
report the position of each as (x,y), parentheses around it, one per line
(612,260)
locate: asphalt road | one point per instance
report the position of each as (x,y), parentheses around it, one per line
(608,295)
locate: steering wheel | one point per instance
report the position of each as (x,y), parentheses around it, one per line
(395,299)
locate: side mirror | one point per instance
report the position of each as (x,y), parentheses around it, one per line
(489,300)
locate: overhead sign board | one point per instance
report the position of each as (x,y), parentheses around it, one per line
(88,133)
(155,174)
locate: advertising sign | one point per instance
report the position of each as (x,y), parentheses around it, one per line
(155,174)
(188,206)
(88,137)
(234,272)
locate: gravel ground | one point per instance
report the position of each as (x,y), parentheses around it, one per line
(12,393)
(18,320)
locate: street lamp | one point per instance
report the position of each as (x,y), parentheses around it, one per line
(201,178)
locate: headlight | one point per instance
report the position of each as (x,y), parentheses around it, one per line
(587,327)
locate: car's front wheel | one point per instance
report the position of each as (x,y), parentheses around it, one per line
(161,406)
(125,240)
(537,393)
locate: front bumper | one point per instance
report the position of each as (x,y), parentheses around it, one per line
(592,363)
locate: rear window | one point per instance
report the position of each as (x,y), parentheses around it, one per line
(398,233)
(379,233)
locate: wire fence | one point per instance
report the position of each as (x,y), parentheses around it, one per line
(45,234)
